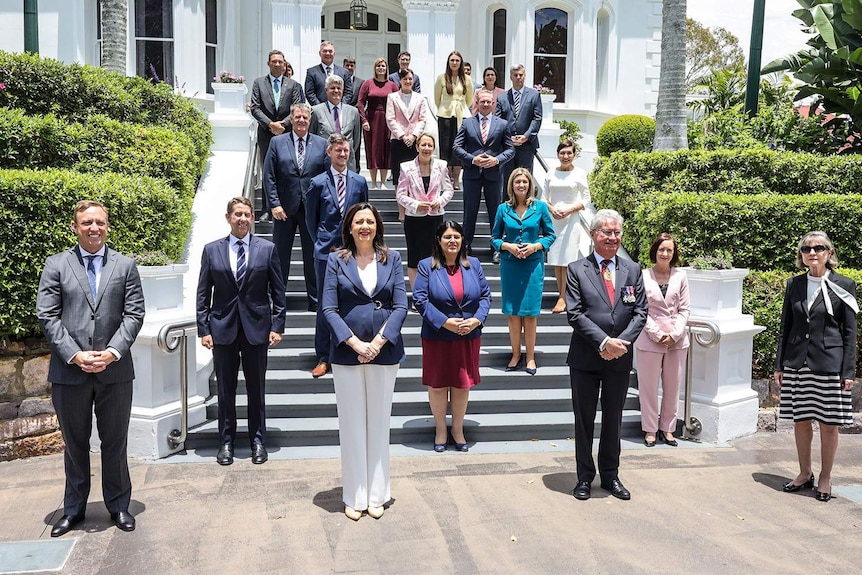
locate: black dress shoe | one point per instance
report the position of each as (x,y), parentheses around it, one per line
(124,520)
(582,491)
(648,442)
(617,489)
(660,436)
(515,367)
(461,447)
(258,454)
(791,487)
(823,496)
(225,454)
(312,306)
(65,523)
(439,447)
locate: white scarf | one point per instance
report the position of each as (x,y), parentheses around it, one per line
(825,285)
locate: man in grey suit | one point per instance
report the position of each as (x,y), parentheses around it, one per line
(335,116)
(90,305)
(356,81)
(315,77)
(521,107)
(607,307)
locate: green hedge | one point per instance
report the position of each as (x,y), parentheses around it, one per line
(98,144)
(42,86)
(626,132)
(760,231)
(145,215)
(762,296)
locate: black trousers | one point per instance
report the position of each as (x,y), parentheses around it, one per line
(283,234)
(226,362)
(400,152)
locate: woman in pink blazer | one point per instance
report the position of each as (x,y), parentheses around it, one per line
(662,346)
(424,188)
(405,117)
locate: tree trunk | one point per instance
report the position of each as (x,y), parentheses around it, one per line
(114,34)
(671,117)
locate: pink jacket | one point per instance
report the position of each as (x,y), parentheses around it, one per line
(667,315)
(411,191)
(402,120)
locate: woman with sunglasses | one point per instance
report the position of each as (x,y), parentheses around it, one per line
(816,360)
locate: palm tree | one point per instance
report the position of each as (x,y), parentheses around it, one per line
(114,18)
(671,117)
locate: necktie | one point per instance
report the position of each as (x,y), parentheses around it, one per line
(335,121)
(240,262)
(276,91)
(609,284)
(91,275)
(342,192)
(517,96)
(300,154)
(484,129)
(328,70)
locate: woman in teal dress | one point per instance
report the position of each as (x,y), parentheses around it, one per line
(523,231)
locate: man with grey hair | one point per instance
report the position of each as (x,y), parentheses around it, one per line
(315,77)
(607,307)
(521,107)
(335,116)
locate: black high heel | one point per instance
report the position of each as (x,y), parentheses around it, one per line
(515,367)
(791,487)
(822,495)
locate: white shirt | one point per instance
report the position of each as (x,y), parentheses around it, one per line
(97,263)
(234,246)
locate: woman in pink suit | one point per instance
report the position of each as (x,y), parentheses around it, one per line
(405,117)
(663,344)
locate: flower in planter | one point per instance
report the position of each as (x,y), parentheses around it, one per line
(720,260)
(545,90)
(152,259)
(226,77)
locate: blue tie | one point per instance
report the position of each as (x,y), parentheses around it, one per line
(240,262)
(91,275)
(276,91)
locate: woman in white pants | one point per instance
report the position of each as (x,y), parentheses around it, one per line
(365,303)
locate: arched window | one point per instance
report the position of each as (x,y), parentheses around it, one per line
(551,50)
(499,46)
(603,32)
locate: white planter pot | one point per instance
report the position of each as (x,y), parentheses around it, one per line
(716,293)
(548,110)
(229,98)
(163,286)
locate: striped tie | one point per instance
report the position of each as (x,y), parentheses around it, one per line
(342,193)
(484,129)
(240,262)
(300,155)
(517,96)
(335,121)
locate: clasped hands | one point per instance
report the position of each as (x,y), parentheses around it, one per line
(521,251)
(461,326)
(428,206)
(615,348)
(485,160)
(93,361)
(366,351)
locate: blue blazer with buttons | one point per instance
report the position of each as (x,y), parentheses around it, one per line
(350,310)
(435,300)
(535,227)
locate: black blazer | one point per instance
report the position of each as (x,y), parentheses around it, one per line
(826,343)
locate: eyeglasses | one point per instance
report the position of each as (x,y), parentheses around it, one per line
(612,233)
(817,249)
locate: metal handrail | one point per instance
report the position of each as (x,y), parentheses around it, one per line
(172,336)
(252,165)
(707,334)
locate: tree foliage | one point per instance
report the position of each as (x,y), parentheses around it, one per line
(709,49)
(671,116)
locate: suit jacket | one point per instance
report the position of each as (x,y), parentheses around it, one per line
(356,82)
(263,107)
(535,227)
(667,314)
(351,126)
(416,83)
(350,310)
(405,120)
(321,210)
(315,83)
(284,184)
(435,300)
(73,322)
(593,317)
(826,342)
(529,120)
(257,304)
(468,144)
(411,190)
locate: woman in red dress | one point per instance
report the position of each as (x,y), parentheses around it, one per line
(372,109)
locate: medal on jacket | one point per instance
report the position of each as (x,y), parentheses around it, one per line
(629,294)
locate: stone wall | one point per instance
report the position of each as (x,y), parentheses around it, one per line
(28,424)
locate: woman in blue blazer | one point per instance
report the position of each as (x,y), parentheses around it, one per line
(522,231)
(453,297)
(816,361)
(365,303)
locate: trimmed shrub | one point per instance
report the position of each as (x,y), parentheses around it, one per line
(145,215)
(624,133)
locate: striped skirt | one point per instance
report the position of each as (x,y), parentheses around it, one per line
(809,396)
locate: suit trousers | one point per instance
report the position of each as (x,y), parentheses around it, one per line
(75,405)
(322,334)
(283,234)
(587,387)
(670,368)
(473,192)
(226,362)
(364,397)
(399,153)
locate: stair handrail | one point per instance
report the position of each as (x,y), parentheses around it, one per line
(252,165)
(172,336)
(707,334)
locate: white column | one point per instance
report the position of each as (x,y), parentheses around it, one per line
(430,38)
(296,32)
(189,48)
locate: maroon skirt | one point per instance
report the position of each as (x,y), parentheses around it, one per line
(451,363)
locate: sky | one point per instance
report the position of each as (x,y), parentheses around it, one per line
(782,32)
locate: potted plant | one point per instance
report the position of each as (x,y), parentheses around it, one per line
(229,90)
(715,286)
(161,279)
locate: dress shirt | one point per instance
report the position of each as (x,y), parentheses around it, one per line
(98,262)
(233,248)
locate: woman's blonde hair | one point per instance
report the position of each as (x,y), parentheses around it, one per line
(531,190)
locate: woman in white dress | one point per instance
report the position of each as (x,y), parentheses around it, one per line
(566,192)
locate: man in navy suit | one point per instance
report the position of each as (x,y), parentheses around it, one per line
(90,305)
(483,145)
(356,81)
(521,107)
(607,307)
(293,160)
(240,311)
(330,195)
(403,64)
(315,77)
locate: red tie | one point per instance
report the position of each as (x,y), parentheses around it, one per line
(484,129)
(609,284)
